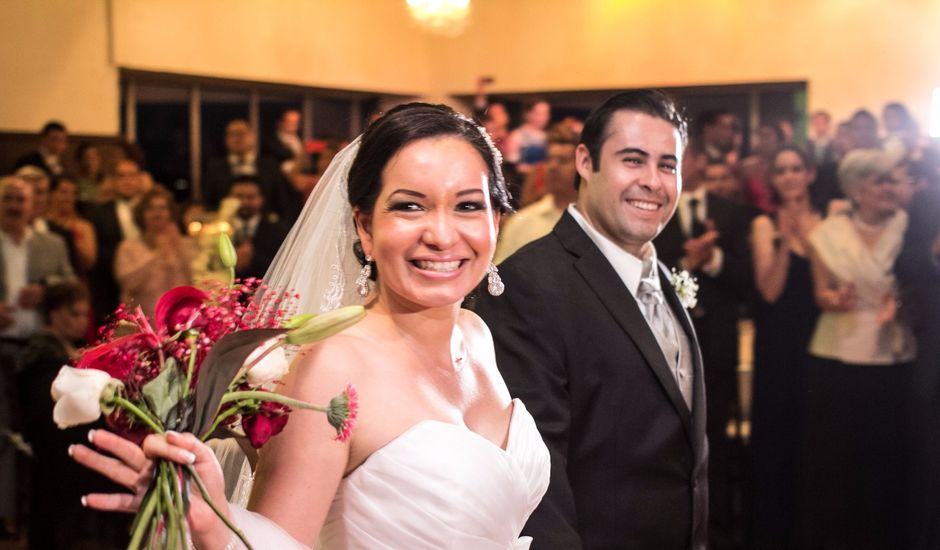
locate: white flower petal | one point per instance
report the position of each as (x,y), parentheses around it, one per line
(77,393)
(272,367)
(76,408)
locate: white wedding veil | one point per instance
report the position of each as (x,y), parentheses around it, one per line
(316,260)
(316,263)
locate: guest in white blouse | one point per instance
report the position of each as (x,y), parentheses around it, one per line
(854,465)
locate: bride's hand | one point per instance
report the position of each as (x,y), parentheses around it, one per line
(132,467)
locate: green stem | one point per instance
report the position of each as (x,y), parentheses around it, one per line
(269,396)
(133,409)
(169,511)
(190,367)
(221,418)
(142,522)
(231,276)
(205,496)
(180,507)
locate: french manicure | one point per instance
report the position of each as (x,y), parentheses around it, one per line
(71,449)
(188,457)
(91,436)
(84,501)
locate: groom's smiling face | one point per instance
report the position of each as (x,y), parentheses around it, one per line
(631,195)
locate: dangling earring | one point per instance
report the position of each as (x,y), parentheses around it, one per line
(362,281)
(494,284)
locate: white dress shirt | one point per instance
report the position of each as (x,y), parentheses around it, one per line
(125,216)
(15,266)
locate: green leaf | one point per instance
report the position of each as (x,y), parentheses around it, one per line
(163,393)
(219,369)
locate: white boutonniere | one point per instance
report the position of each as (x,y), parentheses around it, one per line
(686,287)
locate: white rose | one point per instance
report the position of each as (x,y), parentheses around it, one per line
(78,394)
(271,367)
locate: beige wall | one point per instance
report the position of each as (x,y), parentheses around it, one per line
(54,64)
(853,53)
(359,45)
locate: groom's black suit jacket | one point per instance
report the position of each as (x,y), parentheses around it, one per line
(629,460)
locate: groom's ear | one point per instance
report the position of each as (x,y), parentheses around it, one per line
(363,223)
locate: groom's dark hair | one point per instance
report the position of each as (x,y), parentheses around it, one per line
(654,103)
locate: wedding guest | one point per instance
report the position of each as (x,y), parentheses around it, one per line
(718,178)
(594,338)
(53,141)
(855,455)
(258,233)
(242,160)
(820,138)
(708,238)
(89,172)
(80,233)
(113,222)
(715,131)
(863,130)
(28,261)
(424,188)
(526,145)
(918,269)
(160,259)
(784,317)
(902,137)
(538,219)
(57,519)
(285,145)
(754,168)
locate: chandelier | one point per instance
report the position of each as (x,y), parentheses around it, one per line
(443,17)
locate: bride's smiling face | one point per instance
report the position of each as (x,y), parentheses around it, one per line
(432,232)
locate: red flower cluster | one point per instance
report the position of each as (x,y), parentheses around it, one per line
(186,321)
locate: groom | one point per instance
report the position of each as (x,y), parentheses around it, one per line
(591,335)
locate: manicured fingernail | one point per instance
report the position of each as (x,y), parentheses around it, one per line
(71,449)
(188,457)
(91,436)
(171,432)
(85,501)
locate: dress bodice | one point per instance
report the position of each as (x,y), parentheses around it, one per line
(441,485)
(436,486)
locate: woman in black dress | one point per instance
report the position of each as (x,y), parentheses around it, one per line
(785,316)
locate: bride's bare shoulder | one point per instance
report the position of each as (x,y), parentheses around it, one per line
(349,354)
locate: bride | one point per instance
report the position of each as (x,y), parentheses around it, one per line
(441,457)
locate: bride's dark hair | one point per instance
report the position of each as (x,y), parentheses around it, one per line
(403,125)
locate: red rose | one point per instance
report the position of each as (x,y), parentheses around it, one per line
(266,423)
(177,308)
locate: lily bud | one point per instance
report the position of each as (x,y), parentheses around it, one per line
(81,395)
(325,324)
(297,320)
(227,251)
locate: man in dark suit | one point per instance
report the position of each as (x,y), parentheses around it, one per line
(285,145)
(241,160)
(708,238)
(258,234)
(53,141)
(918,269)
(591,335)
(113,222)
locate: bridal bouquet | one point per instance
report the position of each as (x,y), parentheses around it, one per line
(204,365)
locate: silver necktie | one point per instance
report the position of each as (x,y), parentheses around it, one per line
(657,315)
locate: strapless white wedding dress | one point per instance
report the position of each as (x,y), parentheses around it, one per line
(437,485)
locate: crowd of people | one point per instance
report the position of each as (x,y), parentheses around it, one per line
(828,245)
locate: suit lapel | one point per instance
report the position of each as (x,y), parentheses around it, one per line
(698,373)
(597,272)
